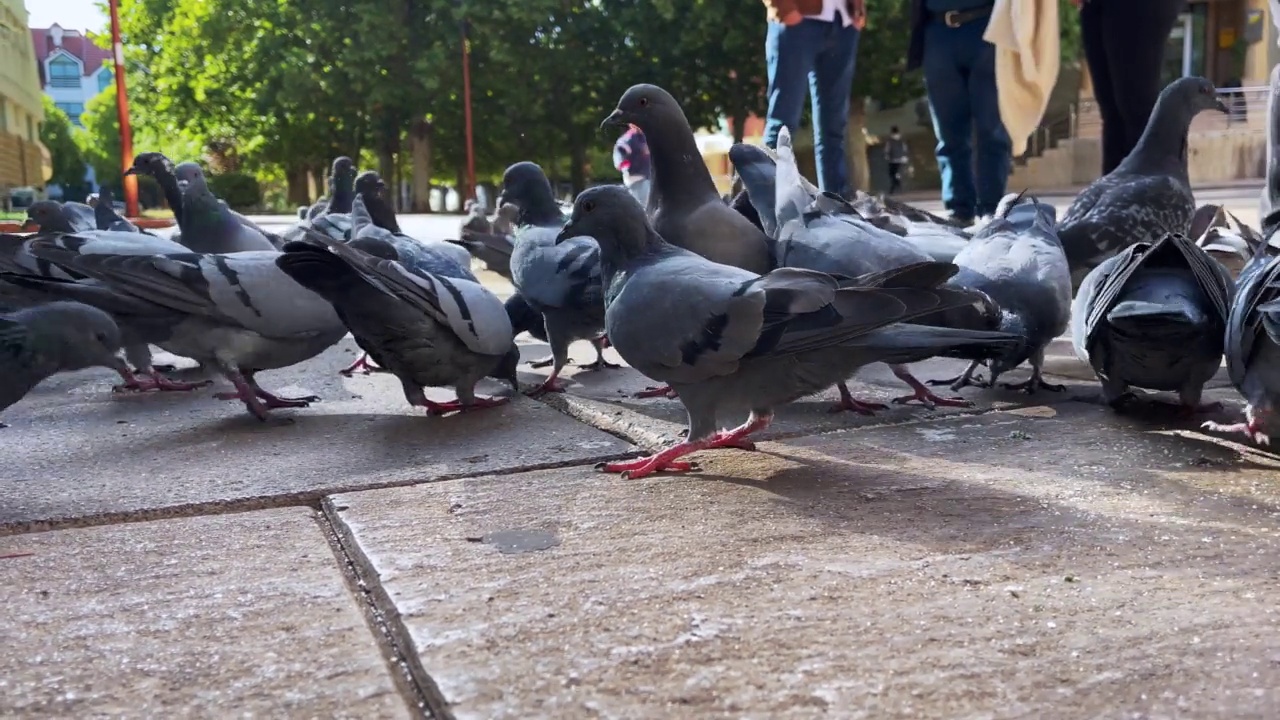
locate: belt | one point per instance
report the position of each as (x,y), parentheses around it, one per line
(956,18)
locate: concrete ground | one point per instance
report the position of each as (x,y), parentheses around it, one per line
(1032,557)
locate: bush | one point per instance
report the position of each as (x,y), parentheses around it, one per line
(240,190)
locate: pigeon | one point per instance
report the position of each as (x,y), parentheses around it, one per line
(1226,239)
(758,172)
(106,217)
(208,226)
(159,167)
(1269,201)
(237,313)
(370,187)
(46,269)
(1149,194)
(51,216)
(342,178)
(727,338)
(1154,317)
(1016,260)
(476,220)
(428,330)
(494,246)
(37,343)
(559,280)
(409,249)
(683,202)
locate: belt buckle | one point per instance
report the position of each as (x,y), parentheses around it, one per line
(951,19)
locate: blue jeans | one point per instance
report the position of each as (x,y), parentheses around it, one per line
(960,77)
(824,53)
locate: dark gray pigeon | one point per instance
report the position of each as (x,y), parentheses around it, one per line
(1016,260)
(492,246)
(1270,200)
(758,172)
(561,281)
(1154,317)
(159,167)
(685,206)
(37,343)
(371,187)
(342,181)
(106,217)
(727,339)
(428,330)
(237,313)
(51,216)
(1149,194)
(208,225)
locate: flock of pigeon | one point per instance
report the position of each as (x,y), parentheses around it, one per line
(735,305)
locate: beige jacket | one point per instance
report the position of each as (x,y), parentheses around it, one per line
(1027,39)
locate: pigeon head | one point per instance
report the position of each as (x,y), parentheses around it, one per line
(611,215)
(150,163)
(526,186)
(1191,95)
(77,336)
(644,106)
(343,173)
(189,176)
(45,215)
(369,182)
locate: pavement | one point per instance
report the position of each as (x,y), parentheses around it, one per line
(1033,556)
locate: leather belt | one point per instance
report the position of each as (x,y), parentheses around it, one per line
(956,18)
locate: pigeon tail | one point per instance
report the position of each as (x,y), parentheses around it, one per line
(318,270)
(1141,314)
(524,318)
(906,342)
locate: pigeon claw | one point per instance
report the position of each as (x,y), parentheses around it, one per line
(159,382)
(851,404)
(654,391)
(602,364)
(551,385)
(480,402)
(361,364)
(1252,430)
(547,361)
(645,466)
(1033,384)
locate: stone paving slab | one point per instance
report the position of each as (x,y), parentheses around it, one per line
(238,615)
(75,451)
(1055,561)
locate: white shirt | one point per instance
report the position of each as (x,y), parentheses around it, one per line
(830,8)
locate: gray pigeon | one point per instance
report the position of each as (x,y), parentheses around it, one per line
(51,216)
(106,217)
(493,246)
(1270,200)
(1149,194)
(1154,317)
(1016,260)
(685,206)
(45,269)
(758,172)
(342,180)
(561,281)
(159,167)
(370,186)
(428,330)
(237,313)
(727,339)
(208,226)
(37,343)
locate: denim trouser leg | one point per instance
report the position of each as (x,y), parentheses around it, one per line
(829,86)
(947,85)
(995,150)
(789,54)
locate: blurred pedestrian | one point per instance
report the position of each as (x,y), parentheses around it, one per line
(1124,42)
(631,158)
(812,45)
(960,81)
(897,156)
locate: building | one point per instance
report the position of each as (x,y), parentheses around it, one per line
(24,162)
(72,68)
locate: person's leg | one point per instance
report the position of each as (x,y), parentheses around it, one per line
(1136,33)
(895,177)
(947,88)
(640,190)
(1114,134)
(788,55)
(829,84)
(994,152)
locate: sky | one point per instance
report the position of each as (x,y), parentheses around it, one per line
(74,14)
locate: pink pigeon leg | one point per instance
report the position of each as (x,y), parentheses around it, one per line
(362,364)
(926,396)
(654,391)
(667,459)
(480,402)
(1253,427)
(847,402)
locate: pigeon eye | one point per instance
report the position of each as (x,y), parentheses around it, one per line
(644,101)
(588,206)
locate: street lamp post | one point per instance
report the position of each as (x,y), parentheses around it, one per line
(122,112)
(470,190)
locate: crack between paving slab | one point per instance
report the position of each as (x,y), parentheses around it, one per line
(385,616)
(388,632)
(309,498)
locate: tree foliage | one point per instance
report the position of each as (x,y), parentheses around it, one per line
(58,135)
(279,88)
(99,140)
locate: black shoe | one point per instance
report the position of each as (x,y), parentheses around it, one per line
(961,219)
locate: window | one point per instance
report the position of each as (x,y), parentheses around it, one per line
(73,110)
(104,78)
(64,73)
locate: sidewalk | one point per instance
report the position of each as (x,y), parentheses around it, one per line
(168,556)
(932,196)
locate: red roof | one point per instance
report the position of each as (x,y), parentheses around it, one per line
(92,56)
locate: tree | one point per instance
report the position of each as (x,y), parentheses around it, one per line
(99,140)
(882,74)
(58,135)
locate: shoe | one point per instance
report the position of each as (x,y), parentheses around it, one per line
(961,219)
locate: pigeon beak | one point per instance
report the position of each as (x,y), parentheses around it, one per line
(131,171)
(615,118)
(566,232)
(1221,107)
(182,184)
(29,225)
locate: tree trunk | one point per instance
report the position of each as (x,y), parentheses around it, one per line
(578,166)
(420,152)
(296,185)
(739,125)
(855,141)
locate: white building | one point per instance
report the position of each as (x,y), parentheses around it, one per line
(72,71)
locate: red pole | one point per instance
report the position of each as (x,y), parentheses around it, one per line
(470,190)
(122,112)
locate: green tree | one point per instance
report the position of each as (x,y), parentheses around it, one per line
(99,140)
(881,74)
(58,135)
